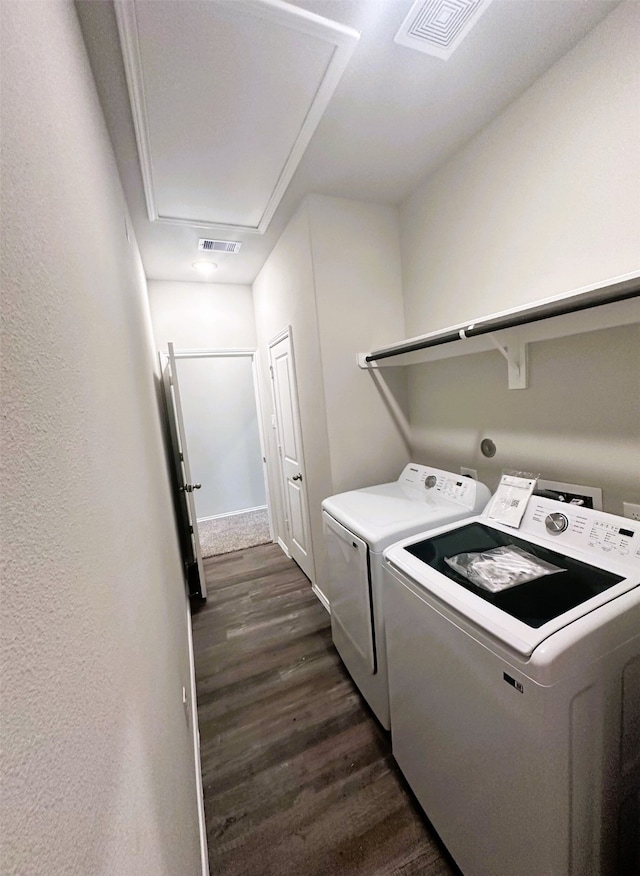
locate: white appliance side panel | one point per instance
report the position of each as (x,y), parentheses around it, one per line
(470,745)
(349,588)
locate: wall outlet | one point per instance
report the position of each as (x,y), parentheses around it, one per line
(469,472)
(630,510)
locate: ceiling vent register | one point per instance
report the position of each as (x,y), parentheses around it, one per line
(207,245)
(437,27)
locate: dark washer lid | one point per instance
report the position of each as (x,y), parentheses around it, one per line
(534,603)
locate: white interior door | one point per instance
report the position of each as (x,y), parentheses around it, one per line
(187,486)
(285,397)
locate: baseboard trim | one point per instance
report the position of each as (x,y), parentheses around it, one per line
(202,825)
(284,548)
(231,513)
(323,599)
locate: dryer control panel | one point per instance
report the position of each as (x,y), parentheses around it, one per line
(434,483)
(597,533)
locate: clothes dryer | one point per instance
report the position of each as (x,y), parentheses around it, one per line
(358,526)
(515,715)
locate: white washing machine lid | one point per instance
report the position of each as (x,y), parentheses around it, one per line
(421,498)
(602,558)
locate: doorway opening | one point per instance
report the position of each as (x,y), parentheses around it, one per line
(220,407)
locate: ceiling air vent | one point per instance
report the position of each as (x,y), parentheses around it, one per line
(437,27)
(206,245)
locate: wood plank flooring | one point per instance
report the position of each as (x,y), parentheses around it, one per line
(298,775)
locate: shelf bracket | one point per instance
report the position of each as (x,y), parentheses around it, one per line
(515,353)
(361,359)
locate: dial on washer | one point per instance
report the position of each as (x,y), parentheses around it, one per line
(556,522)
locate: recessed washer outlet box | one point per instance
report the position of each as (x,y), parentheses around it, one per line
(572,494)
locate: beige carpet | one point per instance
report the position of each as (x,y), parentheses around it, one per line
(233,533)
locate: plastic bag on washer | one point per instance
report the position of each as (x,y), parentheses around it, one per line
(500,568)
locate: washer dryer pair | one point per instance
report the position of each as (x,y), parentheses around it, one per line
(358,526)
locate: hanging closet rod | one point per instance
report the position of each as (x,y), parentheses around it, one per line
(621,291)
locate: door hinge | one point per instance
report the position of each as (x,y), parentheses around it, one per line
(182,457)
(271,370)
(191,530)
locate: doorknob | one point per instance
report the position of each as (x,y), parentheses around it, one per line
(189,488)
(297,477)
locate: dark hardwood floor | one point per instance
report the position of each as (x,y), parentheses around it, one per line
(298,775)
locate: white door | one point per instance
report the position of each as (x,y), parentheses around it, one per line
(187,486)
(285,398)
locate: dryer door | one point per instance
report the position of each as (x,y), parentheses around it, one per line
(350,588)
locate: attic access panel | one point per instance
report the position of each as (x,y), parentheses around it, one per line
(225,98)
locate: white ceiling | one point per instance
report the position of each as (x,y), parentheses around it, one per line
(394,116)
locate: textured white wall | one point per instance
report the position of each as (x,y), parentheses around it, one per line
(98,769)
(356,259)
(284,294)
(201,316)
(578,422)
(334,276)
(545,200)
(213,316)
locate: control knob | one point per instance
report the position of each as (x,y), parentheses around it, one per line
(430,481)
(556,522)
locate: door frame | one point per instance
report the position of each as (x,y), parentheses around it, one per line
(253,354)
(287,333)
(231,352)
(185,506)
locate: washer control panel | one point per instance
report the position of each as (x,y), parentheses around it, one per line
(600,534)
(607,537)
(433,484)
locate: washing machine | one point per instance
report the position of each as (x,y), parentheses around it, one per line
(515,715)
(358,526)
